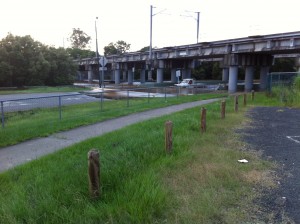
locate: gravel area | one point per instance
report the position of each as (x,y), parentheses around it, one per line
(276,132)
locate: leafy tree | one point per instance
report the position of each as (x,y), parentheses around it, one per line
(24,61)
(77,53)
(79,39)
(120,47)
(62,68)
(144,49)
(283,65)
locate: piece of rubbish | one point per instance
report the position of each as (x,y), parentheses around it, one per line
(243,161)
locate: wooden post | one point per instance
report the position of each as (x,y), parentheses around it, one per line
(252,95)
(203,120)
(168,136)
(236,103)
(223,106)
(245,99)
(94,173)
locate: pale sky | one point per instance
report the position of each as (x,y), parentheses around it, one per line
(51,21)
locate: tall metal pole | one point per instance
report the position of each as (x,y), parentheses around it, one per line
(150,47)
(198,18)
(97,53)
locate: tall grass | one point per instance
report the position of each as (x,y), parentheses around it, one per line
(201,182)
(288,95)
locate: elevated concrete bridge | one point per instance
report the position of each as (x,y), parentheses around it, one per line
(249,52)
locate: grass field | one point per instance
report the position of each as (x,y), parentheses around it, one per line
(24,125)
(201,182)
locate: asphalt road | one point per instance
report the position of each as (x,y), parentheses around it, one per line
(276,131)
(21,102)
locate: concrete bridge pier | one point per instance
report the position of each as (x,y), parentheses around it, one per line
(117,76)
(233,75)
(130,77)
(90,74)
(186,73)
(264,77)
(249,74)
(143,75)
(160,75)
(225,74)
(124,75)
(173,75)
(160,72)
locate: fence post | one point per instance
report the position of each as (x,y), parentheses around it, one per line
(2,114)
(168,136)
(59,105)
(236,103)
(252,95)
(94,173)
(223,106)
(245,99)
(101,101)
(203,119)
(127,98)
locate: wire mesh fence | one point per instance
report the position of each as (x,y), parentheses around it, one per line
(281,79)
(55,108)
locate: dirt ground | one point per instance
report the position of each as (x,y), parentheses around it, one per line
(276,132)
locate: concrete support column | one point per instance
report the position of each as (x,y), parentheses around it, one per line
(173,75)
(225,74)
(186,73)
(263,77)
(143,76)
(249,73)
(233,75)
(130,77)
(150,78)
(90,74)
(117,76)
(124,75)
(160,75)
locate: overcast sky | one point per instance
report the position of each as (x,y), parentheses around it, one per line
(174,22)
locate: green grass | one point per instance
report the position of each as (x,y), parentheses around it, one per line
(24,125)
(201,182)
(44,89)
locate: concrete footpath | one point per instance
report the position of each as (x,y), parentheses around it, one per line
(30,150)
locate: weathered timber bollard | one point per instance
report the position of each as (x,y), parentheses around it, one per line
(245,99)
(203,120)
(252,95)
(94,173)
(168,136)
(236,103)
(223,107)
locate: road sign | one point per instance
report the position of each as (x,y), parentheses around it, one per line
(178,73)
(103,61)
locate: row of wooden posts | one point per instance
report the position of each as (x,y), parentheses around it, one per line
(94,156)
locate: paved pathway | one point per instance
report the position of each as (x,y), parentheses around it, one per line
(26,151)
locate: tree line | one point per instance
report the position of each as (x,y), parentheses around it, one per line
(26,62)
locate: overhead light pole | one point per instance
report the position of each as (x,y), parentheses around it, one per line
(97,52)
(198,22)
